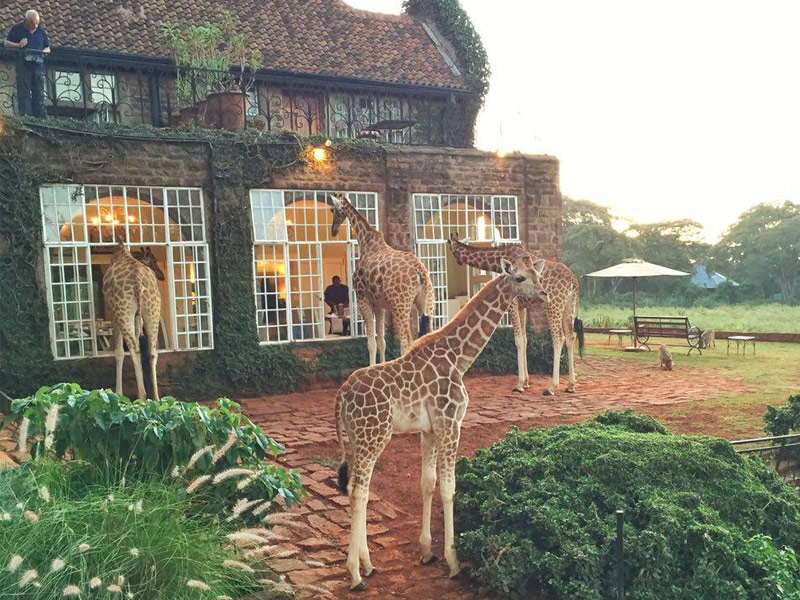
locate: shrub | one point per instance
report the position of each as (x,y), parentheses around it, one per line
(139,531)
(132,436)
(535,514)
(500,354)
(782,420)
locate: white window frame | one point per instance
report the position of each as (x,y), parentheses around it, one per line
(178,201)
(431,239)
(278,236)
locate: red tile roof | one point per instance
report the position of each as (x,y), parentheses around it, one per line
(319,37)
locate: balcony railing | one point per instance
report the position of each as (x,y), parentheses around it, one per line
(154,94)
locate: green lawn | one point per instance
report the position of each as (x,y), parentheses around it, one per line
(765,318)
(773,372)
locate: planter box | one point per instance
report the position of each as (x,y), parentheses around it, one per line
(223,110)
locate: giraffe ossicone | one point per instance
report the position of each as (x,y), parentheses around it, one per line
(131,290)
(385,279)
(563,296)
(422,391)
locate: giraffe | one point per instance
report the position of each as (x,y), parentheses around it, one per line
(423,391)
(561,308)
(386,279)
(130,290)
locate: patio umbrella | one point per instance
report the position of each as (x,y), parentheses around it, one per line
(636,268)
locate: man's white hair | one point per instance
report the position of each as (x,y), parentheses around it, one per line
(30,14)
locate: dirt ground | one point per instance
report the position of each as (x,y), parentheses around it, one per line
(314,551)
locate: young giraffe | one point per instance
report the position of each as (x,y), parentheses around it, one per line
(130,290)
(561,309)
(423,391)
(385,279)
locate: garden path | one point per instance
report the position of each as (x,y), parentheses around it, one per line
(304,423)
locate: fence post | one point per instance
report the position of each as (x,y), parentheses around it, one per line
(620,556)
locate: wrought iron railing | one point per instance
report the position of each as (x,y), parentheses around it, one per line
(123,91)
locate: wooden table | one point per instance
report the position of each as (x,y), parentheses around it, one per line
(619,333)
(742,340)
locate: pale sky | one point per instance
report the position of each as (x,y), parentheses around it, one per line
(658,110)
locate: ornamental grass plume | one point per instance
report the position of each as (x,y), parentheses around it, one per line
(244,483)
(134,552)
(314,588)
(197,456)
(197,483)
(31,516)
(71,590)
(114,588)
(57,565)
(22,438)
(196,584)
(50,426)
(244,539)
(261,508)
(5,516)
(27,577)
(44,493)
(94,583)
(261,551)
(224,449)
(236,564)
(241,506)
(228,473)
(15,563)
(84,548)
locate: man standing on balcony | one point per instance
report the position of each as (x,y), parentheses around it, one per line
(33,45)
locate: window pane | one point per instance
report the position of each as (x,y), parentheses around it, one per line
(68,87)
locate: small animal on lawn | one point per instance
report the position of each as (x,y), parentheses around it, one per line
(666,358)
(707,339)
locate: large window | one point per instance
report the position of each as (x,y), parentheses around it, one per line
(82,224)
(294,260)
(484,220)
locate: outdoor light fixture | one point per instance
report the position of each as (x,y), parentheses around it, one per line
(320,154)
(501,153)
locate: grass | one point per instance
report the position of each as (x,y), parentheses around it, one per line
(141,531)
(773,372)
(764,318)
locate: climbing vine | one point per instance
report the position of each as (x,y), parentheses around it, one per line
(455,25)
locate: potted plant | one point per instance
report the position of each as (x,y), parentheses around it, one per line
(215,71)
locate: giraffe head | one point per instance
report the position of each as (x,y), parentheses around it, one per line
(526,275)
(339,215)
(148,259)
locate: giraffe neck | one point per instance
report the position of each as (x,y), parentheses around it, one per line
(365,233)
(486,259)
(467,334)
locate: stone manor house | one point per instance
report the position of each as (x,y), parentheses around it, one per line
(327,69)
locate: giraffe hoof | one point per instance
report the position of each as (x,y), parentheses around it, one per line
(570,390)
(548,393)
(519,389)
(371,573)
(429,560)
(359,587)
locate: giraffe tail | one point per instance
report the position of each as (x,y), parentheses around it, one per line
(344,475)
(425,301)
(578,326)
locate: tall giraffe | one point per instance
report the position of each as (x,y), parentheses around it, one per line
(561,309)
(131,290)
(423,391)
(386,279)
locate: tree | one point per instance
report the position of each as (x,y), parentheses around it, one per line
(763,248)
(584,212)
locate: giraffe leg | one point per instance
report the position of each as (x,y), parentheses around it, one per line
(127,326)
(119,356)
(380,328)
(402,324)
(428,483)
(569,335)
(519,341)
(150,325)
(558,343)
(359,494)
(447,487)
(365,308)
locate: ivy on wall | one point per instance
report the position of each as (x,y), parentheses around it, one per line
(238,365)
(455,25)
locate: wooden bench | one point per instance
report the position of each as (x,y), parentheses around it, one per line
(666,327)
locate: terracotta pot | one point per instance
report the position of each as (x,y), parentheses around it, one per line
(225,110)
(187,115)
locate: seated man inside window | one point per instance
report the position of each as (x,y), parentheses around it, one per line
(337,297)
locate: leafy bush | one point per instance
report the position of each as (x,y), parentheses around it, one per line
(105,428)
(782,420)
(535,514)
(500,354)
(138,530)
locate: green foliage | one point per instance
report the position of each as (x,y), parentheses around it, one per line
(140,530)
(784,419)
(500,354)
(454,23)
(144,436)
(535,514)
(779,566)
(763,248)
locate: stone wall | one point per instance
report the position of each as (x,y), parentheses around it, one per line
(394,173)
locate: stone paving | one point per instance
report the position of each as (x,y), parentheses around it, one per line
(315,548)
